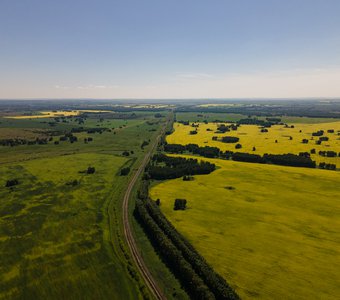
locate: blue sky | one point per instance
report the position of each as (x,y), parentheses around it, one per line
(169,49)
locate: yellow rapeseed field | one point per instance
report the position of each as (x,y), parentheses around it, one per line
(272,232)
(265,142)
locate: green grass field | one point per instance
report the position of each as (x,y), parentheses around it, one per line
(271,231)
(52,233)
(59,240)
(210,117)
(228,117)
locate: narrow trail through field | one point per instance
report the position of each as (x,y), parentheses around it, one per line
(148,278)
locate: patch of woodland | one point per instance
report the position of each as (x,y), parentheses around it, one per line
(163,167)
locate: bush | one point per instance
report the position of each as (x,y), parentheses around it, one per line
(318,133)
(124,171)
(180,204)
(323,165)
(230,139)
(323,138)
(91,170)
(12,182)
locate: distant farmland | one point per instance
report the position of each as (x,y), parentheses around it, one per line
(278,139)
(271,231)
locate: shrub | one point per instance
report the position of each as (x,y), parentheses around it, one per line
(180,204)
(11,182)
(91,170)
(230,139)
(124,171)
(318,133)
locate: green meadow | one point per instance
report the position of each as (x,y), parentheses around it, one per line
(272,232)
(60,228)
(200,116)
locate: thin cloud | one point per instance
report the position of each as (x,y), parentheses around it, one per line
(88,87)
(61,87)
(194,76)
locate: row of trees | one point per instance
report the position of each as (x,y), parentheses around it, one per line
(194,273)
(166,167)
(18,142)
(329,153)
(42,141)
(288,159)
(323,165)
(205,151)
(255,121)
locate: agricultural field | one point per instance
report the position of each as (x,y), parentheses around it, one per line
(51,114)
(60,225)
(210,117)
(278,140)
(271,231)
(203,116)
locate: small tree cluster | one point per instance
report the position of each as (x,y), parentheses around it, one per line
(323,165)
(91,170)
(11,182)
(124,171)
(180,204)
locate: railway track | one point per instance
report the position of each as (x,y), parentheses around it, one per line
(147,276)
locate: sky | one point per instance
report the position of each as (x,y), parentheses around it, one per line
(169,49)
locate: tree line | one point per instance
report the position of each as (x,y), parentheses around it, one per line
(194,273)
(18,142)
(287,159)
(205,151)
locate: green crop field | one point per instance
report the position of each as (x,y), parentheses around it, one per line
(59,238)
(277,140)
(198,116)
(271,231)
(208,116)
